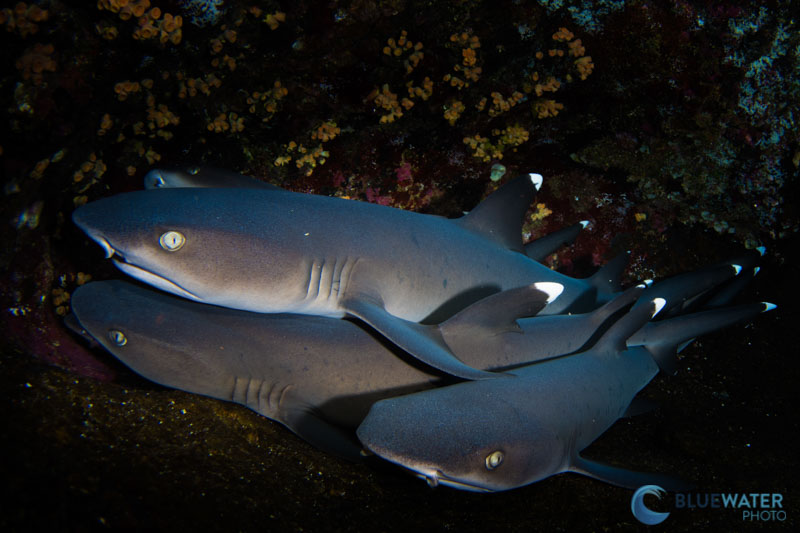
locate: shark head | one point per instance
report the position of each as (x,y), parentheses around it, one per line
(148,331)
(197,244)
(463,437)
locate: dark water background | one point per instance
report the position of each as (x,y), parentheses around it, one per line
(678,146)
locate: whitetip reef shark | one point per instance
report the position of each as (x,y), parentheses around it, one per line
(316,375)
(268,250)
(496,435)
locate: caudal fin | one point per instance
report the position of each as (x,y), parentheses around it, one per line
(664,338)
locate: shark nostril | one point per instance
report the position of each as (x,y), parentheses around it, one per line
(106,247)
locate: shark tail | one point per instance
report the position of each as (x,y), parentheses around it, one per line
(665,338)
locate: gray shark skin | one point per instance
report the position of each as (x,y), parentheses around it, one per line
(495,325)
(202,176)
(497,435)
(273,251)
(316,375)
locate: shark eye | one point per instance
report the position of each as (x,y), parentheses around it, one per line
(172,241)
(494,459)
(117,337)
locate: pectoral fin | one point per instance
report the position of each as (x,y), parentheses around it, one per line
(626,478)
(499,312)
(423,342)
(323,435)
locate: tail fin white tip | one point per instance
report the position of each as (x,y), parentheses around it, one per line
(768,307)
(552,289)
(756,270)
(584,223)
(762,250)
(537,180)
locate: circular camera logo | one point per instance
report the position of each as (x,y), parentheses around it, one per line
(640,510)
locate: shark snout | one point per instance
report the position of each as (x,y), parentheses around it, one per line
(85,218)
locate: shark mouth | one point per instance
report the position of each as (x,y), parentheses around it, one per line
(436,477)
(142,274)
(154,279)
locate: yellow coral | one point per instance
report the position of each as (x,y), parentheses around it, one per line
(563,34)
(39,168)
(423,92)
(105,124)
(501,104)
(584,66)
(23,18)
(230,122)
(547,108)
(126,88)
(469,59)
(551,85)
(273,20)
(541,213)
(401,45)
(576,49)
(387,100)
(326,132)
(453,111)
(36,61)
(269,99)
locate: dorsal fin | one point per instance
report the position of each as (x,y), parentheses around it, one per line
(726,293)
(603,313)
(683,287)
(663,339)
(499,217)
(607,279)
(499,312)
(615,339)
(539,249)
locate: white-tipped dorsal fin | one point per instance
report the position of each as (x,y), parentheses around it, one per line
(499,217)
(737,268)
(537,180)
(768,307)
(659,303)
(552,289)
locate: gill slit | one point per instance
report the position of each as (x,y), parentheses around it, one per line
(328,280)
(258,394)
